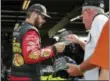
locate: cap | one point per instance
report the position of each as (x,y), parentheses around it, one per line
(39,9)
(96,3)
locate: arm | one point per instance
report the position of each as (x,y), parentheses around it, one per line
(31,48)
(82,44)
(86,65)
(75,39)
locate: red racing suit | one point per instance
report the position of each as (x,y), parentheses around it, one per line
(29,57)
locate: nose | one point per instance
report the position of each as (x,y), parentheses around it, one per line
(82,15)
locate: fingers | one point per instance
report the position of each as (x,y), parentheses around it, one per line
(73,70)
(69,68)
(68,64)
(72,38)
(59,47)
(60,50)
(68,71)
(69,36)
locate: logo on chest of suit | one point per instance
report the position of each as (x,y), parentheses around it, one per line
(16,46)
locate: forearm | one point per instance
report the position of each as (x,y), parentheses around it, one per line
(36,56)
(82,44)
(86,65)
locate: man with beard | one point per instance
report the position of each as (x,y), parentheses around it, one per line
(27,51)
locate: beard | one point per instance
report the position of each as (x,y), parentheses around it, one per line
(40,25)
(37,23)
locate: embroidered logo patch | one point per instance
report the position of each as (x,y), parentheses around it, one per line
(46,52)
(18,60)
(34,56)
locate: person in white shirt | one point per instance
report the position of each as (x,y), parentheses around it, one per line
(94,20)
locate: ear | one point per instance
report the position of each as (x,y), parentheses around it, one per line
(34,14)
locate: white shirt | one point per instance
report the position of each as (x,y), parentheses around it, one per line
(93,36)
